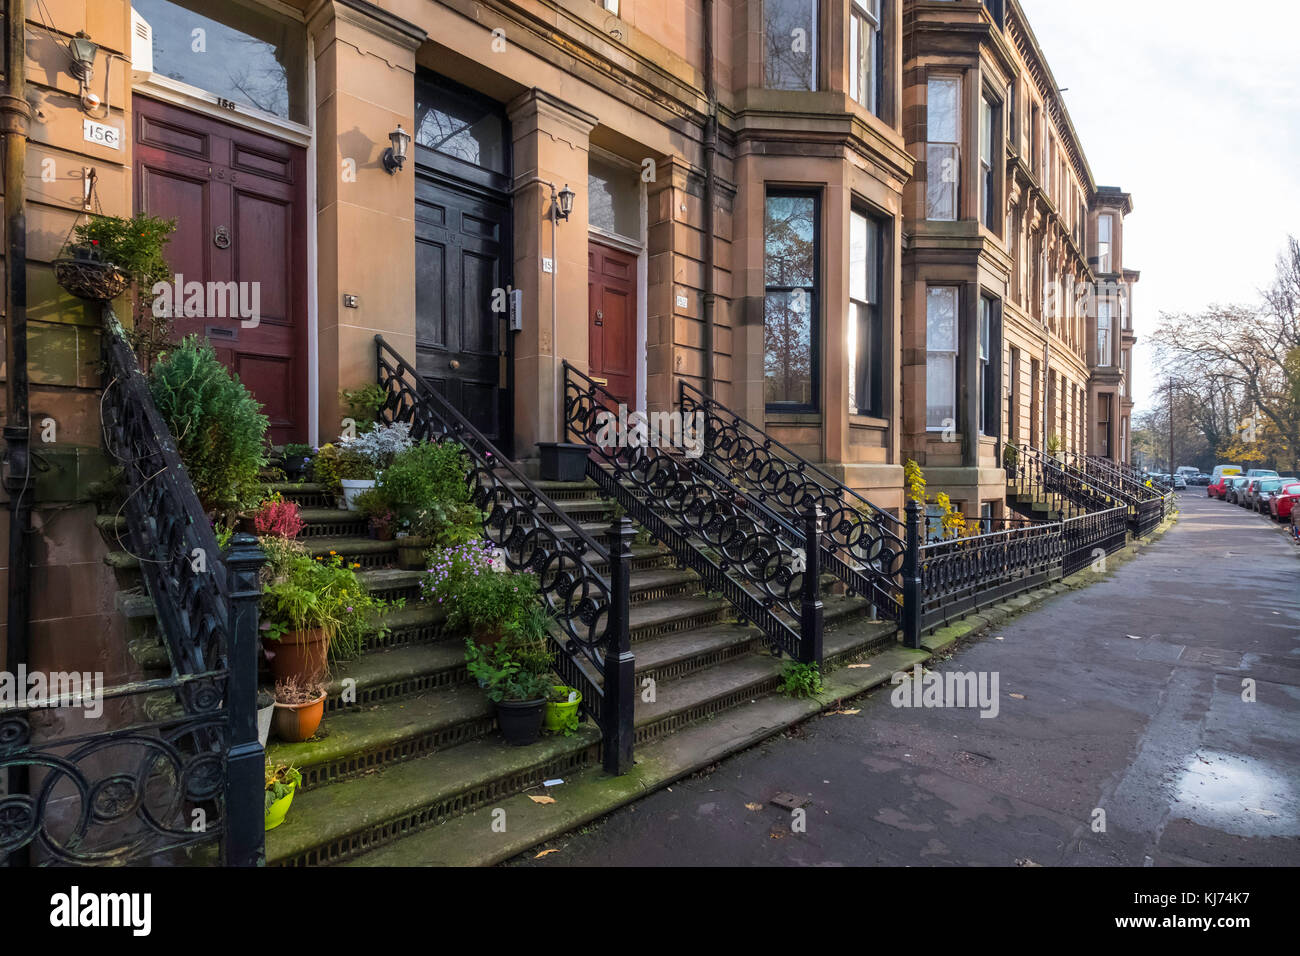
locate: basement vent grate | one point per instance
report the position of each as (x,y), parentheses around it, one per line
(340,528)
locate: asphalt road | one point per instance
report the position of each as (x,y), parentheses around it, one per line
(1125,697)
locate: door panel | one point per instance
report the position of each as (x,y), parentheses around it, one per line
(612,331)
(461,260)
(239,201)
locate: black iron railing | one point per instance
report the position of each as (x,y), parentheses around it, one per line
(1121,477)
(111,785)
(1052,479)
(1090,537)
(862,544)
(767,565)
(594,653)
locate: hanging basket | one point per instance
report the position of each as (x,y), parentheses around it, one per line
(87,277)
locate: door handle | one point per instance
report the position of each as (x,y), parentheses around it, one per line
(454,363)
(602,382)
(600,317)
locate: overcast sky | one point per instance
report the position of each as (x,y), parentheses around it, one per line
(1193,107)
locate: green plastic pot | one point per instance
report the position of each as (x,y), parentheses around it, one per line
(559,715)
(279,809)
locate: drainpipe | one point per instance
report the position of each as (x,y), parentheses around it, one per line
(710,151)
(15,116)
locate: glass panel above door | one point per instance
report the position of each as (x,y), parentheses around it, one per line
(459,124)
(249,56)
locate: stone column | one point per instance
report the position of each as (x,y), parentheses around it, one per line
(550,144)
(365,216)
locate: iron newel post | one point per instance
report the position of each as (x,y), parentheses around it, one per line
(243,839)
(912,577)
(811,609)
(620,666)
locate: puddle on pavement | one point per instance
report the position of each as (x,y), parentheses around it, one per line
(1237,795)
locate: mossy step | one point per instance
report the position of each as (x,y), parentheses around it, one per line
(349,545)
(676,655)
(699,695)
(669,615)
(470,840)
(134,605)
(330,516)
(149,655)
(111,524)
(395,672)
(335,822)
(362,738)
(122,561)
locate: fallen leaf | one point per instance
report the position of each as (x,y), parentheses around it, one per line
(1133,637)
(858,667)
(753,806)
(544,853)
(845,713)
(1018,696)
(541,799)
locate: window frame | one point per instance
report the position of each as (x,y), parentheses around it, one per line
(814,51)
(931,145)
(1105,335)
(875,314)
(990,126)
(989,344)
(954,355)
(874,25)
(1104,259)
(814,294)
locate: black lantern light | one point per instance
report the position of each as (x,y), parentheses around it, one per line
(565,202)
(395,155)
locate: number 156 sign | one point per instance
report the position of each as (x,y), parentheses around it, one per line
(101,134)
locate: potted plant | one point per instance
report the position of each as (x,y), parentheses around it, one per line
(104,255)
(516,674)
(277,517)
(1054,446)
(356,474)
(282,782)
(314,609)
(361,458)
(364,403)
(265,710)
(295,461)
(562,461)
(299,708)
(562,710)
(481,595)
(1010,458)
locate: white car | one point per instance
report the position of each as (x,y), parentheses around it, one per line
(1180,481)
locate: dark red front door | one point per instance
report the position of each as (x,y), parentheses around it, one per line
(611,299)
(239,201)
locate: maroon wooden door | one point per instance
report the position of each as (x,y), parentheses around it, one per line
(611,299)
(239,201)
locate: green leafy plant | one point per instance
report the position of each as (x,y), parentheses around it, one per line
(479,594)
(363,404)
(427,485)
(281,779)
(304,593)
(297,450)
(1054,444)
(513,669)
(800,681)
(218,426)
(1010,455)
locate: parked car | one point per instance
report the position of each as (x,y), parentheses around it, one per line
(1218,487)
(1246,496)
(1180,481)
(1201,480)
(1283,503)
(1257,499)
(1236,484)
(1261,473)
(1225,470)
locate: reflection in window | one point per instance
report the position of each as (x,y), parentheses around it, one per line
(790,44)
(941,357)
(248,56)
(458,123)
(866,268)
(1103,333)
(790,305)
(866,54)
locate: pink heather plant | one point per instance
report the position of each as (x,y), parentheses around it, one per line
(278,518)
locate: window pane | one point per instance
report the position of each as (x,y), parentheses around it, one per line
(790,38)
(613,199)
(248,56)
(788,358)
(459,124)
(943,172)
(858,257)
(790,250)
(940,389)
(943,110)
(941,319)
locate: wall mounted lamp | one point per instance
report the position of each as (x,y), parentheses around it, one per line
(83,51)
(565,202)
(395,155)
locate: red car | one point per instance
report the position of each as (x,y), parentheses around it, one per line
(1220,488)
(1283,502)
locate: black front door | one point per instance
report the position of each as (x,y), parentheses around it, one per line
(462,255)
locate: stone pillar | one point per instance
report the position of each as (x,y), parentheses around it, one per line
(550,144)
(365,216)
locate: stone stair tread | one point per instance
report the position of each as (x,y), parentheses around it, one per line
(134,606)
(327,515)
(322,815)
(384,667)
(365,727)
(382,579)
(684,693)
(671,609)
(468,840)
(287,487)
(122,560)
(414,613)
(347,545)
(671,648)
(654,578)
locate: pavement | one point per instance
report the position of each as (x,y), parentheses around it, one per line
(1150,719)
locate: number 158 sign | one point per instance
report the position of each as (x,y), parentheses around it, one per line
(101,134)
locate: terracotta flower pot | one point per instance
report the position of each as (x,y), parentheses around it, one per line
(297,722)
(300,654)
